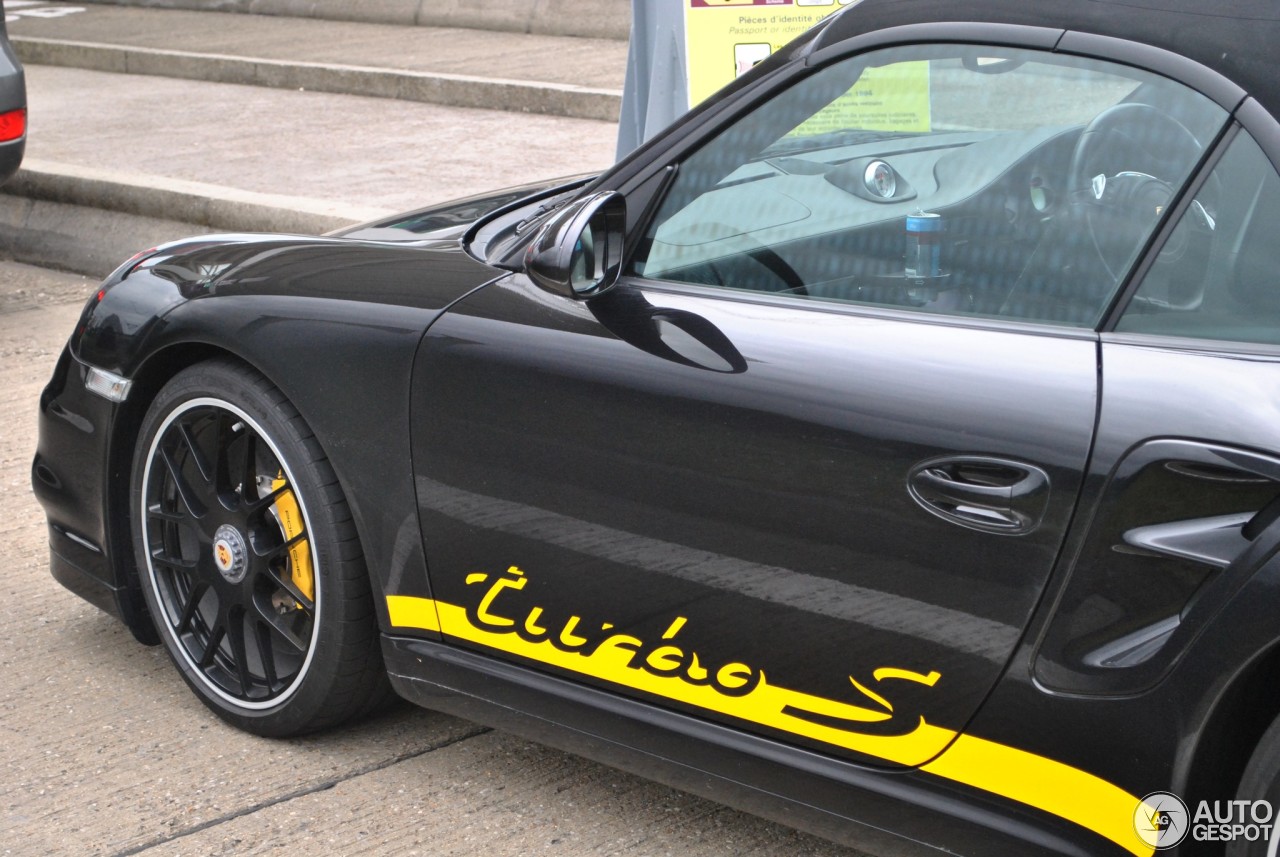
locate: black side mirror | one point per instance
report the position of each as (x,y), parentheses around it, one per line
(578,253)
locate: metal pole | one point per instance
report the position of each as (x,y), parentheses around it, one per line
(656,91)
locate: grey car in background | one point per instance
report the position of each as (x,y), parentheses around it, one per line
(13,105)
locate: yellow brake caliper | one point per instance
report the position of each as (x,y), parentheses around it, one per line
(290,517)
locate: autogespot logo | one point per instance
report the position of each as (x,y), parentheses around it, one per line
(1161,820)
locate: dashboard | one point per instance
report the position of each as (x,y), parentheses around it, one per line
(836,218)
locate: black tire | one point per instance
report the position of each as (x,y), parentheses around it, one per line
(1261,781)
(249,558)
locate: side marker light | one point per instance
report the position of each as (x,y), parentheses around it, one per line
(108,385)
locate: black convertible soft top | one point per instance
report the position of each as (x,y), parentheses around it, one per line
(1238,38)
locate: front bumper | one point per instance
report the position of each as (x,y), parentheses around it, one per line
(71,478)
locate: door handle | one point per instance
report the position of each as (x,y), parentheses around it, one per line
(995,495)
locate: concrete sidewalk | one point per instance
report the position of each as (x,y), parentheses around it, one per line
(558,75)
(118,162)
(605,19)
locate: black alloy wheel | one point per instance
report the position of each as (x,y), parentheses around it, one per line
(251,565)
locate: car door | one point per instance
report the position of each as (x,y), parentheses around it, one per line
(806,469)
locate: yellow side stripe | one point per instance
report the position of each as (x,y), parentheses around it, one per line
(1018,775)
(408,611)
(1062,790)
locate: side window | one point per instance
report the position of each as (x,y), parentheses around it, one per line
(1218,275)
(984,181)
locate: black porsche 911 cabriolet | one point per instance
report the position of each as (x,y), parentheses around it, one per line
(890,447)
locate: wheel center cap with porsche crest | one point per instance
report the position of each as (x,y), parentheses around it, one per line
(230,553)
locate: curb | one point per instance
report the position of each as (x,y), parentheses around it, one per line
(556,99)
(597,19)
(88,220)
(78,239)
(198,203)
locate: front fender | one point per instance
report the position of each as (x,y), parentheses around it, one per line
(334,323)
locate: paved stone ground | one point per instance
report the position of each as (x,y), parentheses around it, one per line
(103,751)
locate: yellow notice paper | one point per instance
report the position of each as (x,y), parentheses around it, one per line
(888,98)
(726,38)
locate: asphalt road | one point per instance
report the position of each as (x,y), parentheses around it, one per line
(104,751)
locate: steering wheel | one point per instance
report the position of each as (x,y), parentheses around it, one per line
(788,279)
(1121,176)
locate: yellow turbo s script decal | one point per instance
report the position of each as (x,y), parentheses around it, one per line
(667,669)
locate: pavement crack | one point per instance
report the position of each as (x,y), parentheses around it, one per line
(303,792)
